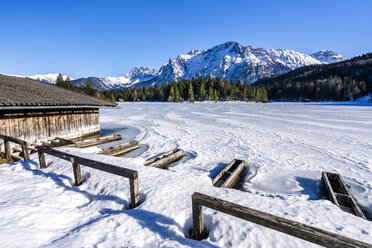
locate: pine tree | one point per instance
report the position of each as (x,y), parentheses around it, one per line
(68,84)
(60,82)
(172,95)
(215,96)
(191,92)
(89,88)
(210,94)
(202,91)
(177,93)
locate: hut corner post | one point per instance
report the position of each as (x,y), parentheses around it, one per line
(134,191)
(197,219)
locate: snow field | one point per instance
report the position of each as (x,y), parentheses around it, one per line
(286,146)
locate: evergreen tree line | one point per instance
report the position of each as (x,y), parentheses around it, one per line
(88,89)
(200,89)
(350,79)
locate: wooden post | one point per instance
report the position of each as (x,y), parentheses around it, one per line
(8,154)
(197,220)
(41,160)
(134,191)
(26,154)
(77,172)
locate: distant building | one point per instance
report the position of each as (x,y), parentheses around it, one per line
(34,111)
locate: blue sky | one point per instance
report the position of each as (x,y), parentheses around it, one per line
(108,38)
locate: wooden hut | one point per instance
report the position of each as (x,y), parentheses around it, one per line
(34,111)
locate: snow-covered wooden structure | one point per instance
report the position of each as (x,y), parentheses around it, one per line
(229,175)
(34,111)
(339,194)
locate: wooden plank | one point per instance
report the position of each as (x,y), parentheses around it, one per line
(120,171)
(12,139)
(120,149)
(65,141)
(165,159)
(293,228)
(329,190)
(77,172)
(233,178)
(97,141)
(230,174)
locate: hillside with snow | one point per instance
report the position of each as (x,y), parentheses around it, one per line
(49,78)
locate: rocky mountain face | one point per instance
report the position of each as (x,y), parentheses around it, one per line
(229,60)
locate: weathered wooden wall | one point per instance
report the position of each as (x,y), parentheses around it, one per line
(36,125)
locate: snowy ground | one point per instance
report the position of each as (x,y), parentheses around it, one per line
(286,146)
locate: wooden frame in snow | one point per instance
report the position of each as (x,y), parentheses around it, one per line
(77,161)
(290,227)
(8,153)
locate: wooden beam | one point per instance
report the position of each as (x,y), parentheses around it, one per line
(12,139)
(120,149)
(97,141)
(26,155)
(77,172)
(165,159)
(7,150)
(293,228)
(41,159)
(134,192)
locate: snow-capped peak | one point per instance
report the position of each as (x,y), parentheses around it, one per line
(327,57)
(49,78)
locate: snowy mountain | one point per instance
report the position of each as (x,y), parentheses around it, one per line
(327,57)
(49,78)
(234,61)
(229,60)
(134,76)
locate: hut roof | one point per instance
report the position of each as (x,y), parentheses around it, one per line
(25,92)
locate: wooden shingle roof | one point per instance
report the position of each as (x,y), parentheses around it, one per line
(25,92)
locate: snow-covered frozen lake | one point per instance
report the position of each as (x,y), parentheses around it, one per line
(286,146)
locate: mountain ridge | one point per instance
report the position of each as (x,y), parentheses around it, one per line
(229,60)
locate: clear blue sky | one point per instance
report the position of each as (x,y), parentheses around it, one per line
(108,38)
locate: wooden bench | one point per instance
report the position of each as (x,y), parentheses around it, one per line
(293,228)
(77,161)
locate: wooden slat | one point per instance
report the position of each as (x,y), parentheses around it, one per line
(233,178)
(293,228)
(97,141)
(165,159)
(12,139)
(120,149)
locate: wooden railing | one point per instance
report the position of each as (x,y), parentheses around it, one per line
(296,229)
(77,161)
(8,153)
